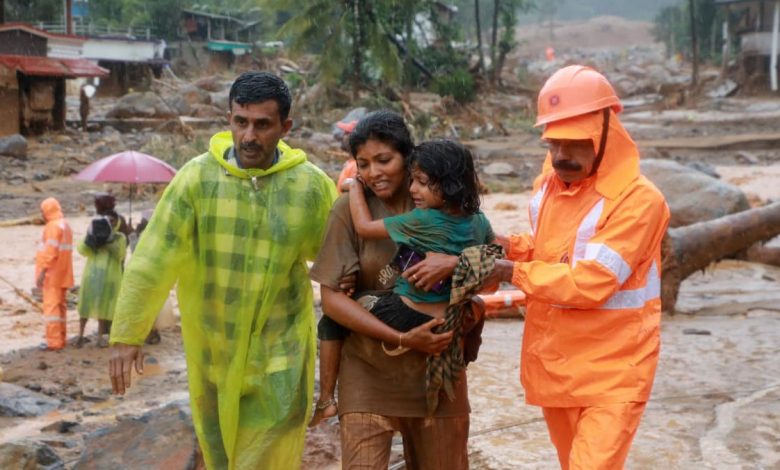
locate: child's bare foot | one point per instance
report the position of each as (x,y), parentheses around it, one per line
(324,409)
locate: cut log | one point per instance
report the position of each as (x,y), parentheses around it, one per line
(694,247)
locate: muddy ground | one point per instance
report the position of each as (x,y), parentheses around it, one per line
(716,401)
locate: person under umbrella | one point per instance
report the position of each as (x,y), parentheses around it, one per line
(105,248)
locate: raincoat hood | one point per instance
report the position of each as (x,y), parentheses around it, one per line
(222,141)
(51,209)
(620,164)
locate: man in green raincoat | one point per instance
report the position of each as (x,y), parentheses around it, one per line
(235,228)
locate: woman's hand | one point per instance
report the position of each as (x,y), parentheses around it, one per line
(434,268)
(347,284)
(424,340)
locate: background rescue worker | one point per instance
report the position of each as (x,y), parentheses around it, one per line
(591,270)
(235,228)
(54,272)
(349,171)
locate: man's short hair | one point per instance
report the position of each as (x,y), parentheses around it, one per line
(256,87)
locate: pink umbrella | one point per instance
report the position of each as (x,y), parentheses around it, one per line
(128,167)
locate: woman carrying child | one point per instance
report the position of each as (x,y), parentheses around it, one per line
(380,394)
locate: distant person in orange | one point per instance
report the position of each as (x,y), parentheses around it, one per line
(549,53)
(591,271)
(54,272)
(349,171)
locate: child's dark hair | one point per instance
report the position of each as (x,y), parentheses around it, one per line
(385,126)
(450,170)
(256,87)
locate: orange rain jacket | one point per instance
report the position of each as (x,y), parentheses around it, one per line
(55,252)
(591,270)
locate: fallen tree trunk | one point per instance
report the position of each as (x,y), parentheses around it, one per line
(764,255)
(694,247)
(29,220)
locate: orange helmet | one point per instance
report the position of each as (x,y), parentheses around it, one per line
(573,91)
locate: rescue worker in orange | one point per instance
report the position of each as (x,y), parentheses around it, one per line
(591,270)
(54,272)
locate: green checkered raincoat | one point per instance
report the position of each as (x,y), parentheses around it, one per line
(237,241)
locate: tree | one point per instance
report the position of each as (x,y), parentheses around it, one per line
(548,9)
(694,44)
(699,22)
(506,11)
(361,41)
(479,37)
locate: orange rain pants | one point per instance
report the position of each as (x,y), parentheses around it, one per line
(593,437)
(54,315)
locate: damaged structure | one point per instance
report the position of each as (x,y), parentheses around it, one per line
(34,65)
(756,23)
(214,41)
(32,91)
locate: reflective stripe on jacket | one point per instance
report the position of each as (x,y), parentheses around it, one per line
(591,273)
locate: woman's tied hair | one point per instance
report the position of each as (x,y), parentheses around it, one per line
(256,87)
(450,170)
(385,126)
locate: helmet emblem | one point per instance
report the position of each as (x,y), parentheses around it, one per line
(554,100)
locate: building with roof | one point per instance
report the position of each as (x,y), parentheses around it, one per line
(24,39)
(214,41)
(32,91)
(131,61)
(757,25)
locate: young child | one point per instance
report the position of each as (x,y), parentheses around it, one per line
(446,219)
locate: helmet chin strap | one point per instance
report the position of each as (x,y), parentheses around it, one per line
(602,143)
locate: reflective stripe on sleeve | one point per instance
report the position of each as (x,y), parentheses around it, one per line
(636,298)
(536,204)
(609,258)
(53,242)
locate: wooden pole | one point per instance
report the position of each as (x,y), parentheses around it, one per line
(694,44)
(773,58)
(69,17)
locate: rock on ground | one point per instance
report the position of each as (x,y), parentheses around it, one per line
(144,105)
(28,456)
(14,146)
(161,439)
(692,195)
(18,401)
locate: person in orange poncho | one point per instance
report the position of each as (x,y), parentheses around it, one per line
(591,270)
(54,271)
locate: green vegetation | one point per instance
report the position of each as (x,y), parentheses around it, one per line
(673,27)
